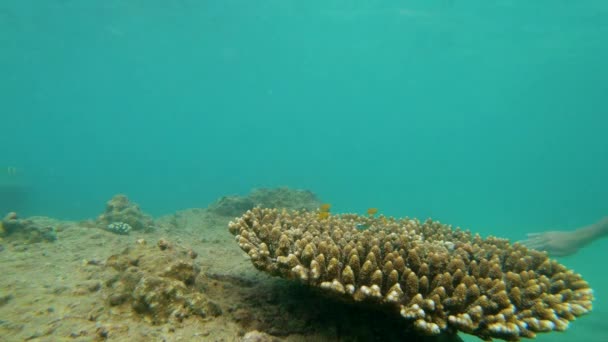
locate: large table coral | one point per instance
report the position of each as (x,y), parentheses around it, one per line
(440,279)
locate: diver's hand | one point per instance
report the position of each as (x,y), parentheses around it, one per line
(556,243)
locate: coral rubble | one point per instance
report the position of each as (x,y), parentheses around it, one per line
(120,209)
(439,279)
(161,284)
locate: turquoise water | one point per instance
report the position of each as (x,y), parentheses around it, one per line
(490,115)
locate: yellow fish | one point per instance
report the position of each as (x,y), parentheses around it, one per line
(372,211)
(324,208)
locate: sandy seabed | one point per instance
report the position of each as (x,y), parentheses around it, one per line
(58,291)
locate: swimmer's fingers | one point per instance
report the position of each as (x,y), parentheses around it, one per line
(534,235)
(535,241)
(538,245)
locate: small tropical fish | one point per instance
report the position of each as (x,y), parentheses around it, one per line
(323,215)
(324,208)
(372,211)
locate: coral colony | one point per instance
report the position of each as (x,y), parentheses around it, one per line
(440,279)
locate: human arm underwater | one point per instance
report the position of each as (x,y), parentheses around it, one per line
(563,243)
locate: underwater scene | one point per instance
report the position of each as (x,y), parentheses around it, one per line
(281,170)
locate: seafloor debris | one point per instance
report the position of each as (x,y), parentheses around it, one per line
(439,279)
(30,230)
(159,284)
(268,198)
(120,209)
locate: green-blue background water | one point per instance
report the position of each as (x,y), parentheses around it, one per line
(490,115)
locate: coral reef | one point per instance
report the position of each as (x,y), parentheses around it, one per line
(30,230)
(120,210)
(439,279)
(268,198)
(161,283)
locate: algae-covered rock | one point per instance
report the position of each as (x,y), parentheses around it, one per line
(30,230)
(231,205)
(161,284)
(120,209)
(282,198)
(285,198)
